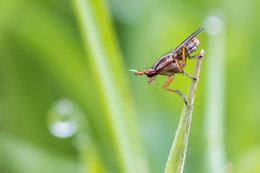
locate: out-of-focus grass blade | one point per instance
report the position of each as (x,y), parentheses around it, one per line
(27,158)
(50,39)
(97,32)
(215,100)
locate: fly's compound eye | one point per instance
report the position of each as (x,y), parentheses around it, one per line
(151,73)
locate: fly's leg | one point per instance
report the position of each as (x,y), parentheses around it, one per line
(186,74)
(199,55)
(182,71)
(185,53)
(202,52)
(167,83)
(177,63)
(194,57)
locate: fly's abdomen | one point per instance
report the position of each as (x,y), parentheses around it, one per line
(192,46)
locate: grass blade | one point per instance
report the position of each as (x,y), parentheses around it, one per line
(215,100)
(176,159)
(108,68)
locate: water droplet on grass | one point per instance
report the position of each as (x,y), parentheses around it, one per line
(62,119)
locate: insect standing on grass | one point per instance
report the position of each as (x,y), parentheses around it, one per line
(174,62)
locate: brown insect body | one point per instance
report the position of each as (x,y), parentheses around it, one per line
(167,66)
(174,62)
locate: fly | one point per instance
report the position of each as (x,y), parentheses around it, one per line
(174,62)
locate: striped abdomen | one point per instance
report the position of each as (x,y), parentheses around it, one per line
(192,46)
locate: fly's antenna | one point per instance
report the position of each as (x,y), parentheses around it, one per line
(132,70)
(137,72)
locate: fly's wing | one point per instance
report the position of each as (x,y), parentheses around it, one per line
(160,63)
(188,39)
(164,60)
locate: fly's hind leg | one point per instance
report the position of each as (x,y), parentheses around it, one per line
(195,56)
(200,55)
(167,83)
(182,71)
(186,74)
(186,53)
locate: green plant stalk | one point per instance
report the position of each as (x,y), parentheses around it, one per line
(89,154)
(215,94)
(107,66)
(176,159)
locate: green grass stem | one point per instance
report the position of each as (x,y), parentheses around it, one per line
(109,74)
(176,159)
(215,94)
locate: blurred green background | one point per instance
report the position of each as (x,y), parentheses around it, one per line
(68,103)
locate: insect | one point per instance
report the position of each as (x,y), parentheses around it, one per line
(174,62)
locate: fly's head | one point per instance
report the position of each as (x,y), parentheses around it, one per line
(150,73)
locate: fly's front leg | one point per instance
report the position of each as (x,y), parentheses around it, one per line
(167,83)
(185,53)
(177,63)
(179,67)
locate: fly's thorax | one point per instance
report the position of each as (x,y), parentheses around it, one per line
(170,69)
(162,62)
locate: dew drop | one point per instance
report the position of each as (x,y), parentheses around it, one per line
(62,119)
